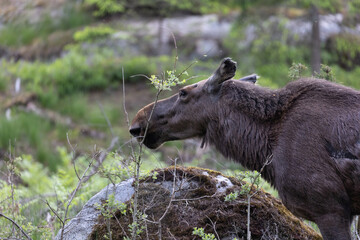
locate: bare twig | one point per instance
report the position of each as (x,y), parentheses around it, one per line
(117,220)
(194,199)
(171,199)
(55,212)
(133,155)
(11,173)
(249,196)
(107,119)
(108,227)
(266,163)
(137,170)
(248,218)
(17,225)
(140,75)
(73,155)
(214,227)
(101,159)
(72,197)
(81,180)
(191,64)
(176,50)
(124,99)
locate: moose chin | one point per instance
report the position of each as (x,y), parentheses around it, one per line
(310,131)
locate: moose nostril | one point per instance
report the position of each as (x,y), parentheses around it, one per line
(135,131)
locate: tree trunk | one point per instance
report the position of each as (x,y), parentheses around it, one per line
(315,39)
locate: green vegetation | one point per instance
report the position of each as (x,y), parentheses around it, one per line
(106,7)
(29,131)
(84,85)
(346,50)
(231,197)
(93,33)
(204,236)
(110,206)
(73,17)
(76,72)
(162,8)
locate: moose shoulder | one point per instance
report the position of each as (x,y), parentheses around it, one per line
(309,130)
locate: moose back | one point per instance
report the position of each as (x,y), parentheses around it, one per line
(309,130)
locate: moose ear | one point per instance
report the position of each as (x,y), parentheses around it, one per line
(251,78)
(224,72)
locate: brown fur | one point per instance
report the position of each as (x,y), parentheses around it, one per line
(310,129)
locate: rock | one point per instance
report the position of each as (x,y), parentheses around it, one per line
(154,36)
(208,47)
(329,25)
(81,226)
(198,201)
(298,30)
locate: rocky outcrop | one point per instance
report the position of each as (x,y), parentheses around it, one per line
(202,34)
(196,36)
(205,35)
(82,225)
(196,199)
(299,29)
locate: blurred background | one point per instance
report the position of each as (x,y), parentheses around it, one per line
(66,64)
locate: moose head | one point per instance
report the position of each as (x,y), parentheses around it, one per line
(186,114)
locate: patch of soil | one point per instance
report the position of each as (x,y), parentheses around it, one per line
(198,203)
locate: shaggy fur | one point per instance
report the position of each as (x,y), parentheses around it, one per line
(309,131)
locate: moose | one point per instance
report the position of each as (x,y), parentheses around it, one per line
(309,129)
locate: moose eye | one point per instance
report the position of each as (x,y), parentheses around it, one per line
(182,93)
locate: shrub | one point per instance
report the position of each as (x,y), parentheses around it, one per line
(72,73)
(201,233)
(76,72)
(105,7)
(346,48)
(297,70)
(89,34)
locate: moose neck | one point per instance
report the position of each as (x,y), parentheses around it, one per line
(243,141)
(242,129)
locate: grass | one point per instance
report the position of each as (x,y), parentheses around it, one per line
(28,133)
(92,112)
(348,78)
(73,18)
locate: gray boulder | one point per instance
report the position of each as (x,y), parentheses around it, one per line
(81,226)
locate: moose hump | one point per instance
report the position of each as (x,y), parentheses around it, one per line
(310,129)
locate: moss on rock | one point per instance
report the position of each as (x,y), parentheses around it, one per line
(198,203)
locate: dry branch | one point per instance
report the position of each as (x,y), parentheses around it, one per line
(17,225)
